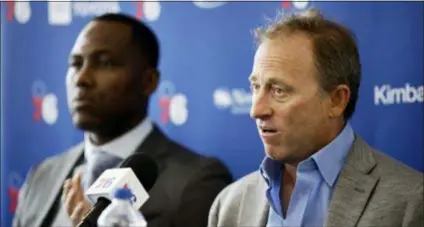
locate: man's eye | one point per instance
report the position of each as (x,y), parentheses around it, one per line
(278,92)
(106,63)
(75,64)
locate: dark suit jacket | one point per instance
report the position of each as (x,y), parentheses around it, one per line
(183,193)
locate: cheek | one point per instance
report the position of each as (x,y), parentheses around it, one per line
(292,113)
(116,93)
(117,85)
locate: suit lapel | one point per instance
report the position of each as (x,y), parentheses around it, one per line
(155,145)
(60,171)
(254,205)
(354,186)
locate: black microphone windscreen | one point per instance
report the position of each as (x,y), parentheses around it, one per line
(144,167)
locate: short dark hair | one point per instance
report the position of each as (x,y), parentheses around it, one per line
(142,35)
(335,50)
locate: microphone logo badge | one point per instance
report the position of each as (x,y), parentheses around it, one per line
(104,182)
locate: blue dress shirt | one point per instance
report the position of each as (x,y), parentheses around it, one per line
(315,178)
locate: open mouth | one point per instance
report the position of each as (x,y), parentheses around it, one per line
(268,130)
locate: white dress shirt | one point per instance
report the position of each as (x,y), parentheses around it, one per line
(122,146)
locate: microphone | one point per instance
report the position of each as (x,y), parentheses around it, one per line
(138,173)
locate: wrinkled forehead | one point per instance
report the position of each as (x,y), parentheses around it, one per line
(297,48)
(290,56)
(113,35)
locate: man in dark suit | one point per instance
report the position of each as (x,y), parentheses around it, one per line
(112,72)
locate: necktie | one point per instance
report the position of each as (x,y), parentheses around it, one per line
(97,164)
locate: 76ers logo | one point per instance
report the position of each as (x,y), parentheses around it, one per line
(300,5)
(45,104)
(104,182)
(173,106)
(166,90)
(18,10)
(14,184)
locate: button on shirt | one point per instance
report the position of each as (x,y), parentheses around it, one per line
(315,179)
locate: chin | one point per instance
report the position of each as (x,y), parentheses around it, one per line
(278,153)
(273,152)
(85,123)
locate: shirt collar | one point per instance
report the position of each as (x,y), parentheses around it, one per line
(329,159)
(122,146)
(270,169)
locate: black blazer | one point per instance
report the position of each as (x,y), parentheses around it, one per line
(184,191)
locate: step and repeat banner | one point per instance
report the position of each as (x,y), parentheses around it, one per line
(204,99)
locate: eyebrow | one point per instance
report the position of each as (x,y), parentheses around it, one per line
(272,80)
(93,53)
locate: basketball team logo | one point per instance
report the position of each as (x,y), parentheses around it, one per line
(148,10)
(173,105)
(18,10)
(14,183)
(299,5)
(44,103)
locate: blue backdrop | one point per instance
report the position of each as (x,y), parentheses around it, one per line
(204,100)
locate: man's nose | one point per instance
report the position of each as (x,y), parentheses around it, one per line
(261,108)
(84,77)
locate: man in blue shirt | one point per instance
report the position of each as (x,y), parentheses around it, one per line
(317,171)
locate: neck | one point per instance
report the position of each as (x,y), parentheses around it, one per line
(113,130)
(290,167)
(289,175)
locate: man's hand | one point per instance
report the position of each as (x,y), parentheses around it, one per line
(73,199)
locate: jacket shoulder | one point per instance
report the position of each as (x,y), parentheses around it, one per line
(49,163)
(189,162)
(246,191)
(396,174)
